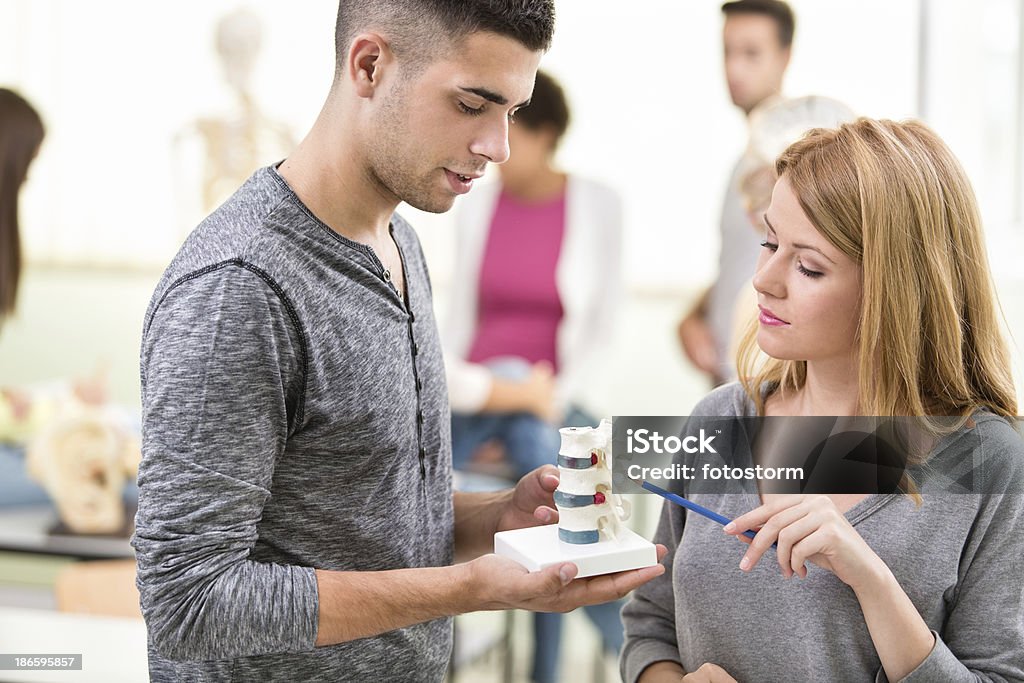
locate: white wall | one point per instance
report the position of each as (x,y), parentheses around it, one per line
(652,114)
(117,80)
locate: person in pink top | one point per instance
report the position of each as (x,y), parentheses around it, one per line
(537,282)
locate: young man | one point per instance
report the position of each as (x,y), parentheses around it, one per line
(296,520)
(758,37)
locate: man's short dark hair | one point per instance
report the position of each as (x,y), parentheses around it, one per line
(418,28)
(547,109)
(775,9)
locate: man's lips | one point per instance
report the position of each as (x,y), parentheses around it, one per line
(465,177)
(769,318)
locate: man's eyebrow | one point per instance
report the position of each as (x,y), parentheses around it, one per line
(798,246)
(491,96)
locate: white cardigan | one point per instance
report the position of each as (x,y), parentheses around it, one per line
(588,278)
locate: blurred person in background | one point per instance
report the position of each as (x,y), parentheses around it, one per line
(21,134)
(758,38)
(774,125)
(25,411)
(538,281)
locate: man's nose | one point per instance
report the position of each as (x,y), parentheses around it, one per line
(492,142)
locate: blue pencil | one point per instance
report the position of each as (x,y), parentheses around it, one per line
(690,505)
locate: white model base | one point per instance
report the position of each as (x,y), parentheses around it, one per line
(539,547)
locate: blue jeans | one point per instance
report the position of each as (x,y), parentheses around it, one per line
(529,442)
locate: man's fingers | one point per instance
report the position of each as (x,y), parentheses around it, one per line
(547,475)
(609,587)
(555,578)
(545,514)
(567,572)
(554,588)
(661,550)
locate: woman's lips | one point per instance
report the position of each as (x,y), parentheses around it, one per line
(766,317)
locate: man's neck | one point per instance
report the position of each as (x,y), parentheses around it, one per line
(328,174)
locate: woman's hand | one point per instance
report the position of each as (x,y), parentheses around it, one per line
(808,528)
(709,673)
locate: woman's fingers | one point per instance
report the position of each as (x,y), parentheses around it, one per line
(769,533)
(760,515)
(789,537)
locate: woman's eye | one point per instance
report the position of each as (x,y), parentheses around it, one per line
(808,272)
(770,245)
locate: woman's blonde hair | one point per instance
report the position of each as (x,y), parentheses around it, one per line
(892,197)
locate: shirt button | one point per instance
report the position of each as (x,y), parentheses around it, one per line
(419,416)
(415,349)
(423,452)
(419,384)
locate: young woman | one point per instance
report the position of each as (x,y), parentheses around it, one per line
(874,298)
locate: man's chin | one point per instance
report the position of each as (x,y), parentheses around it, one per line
(431,204)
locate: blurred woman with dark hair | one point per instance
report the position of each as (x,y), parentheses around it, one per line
(24,412)
(21,133)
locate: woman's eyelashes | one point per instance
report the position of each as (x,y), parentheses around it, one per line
(772,246)
(808,272)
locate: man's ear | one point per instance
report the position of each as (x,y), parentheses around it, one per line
(369,57)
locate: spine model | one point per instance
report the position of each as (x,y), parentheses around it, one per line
(588,512)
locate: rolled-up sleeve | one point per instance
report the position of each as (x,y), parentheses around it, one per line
(222,384)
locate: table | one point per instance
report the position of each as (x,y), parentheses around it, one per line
(113,649)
